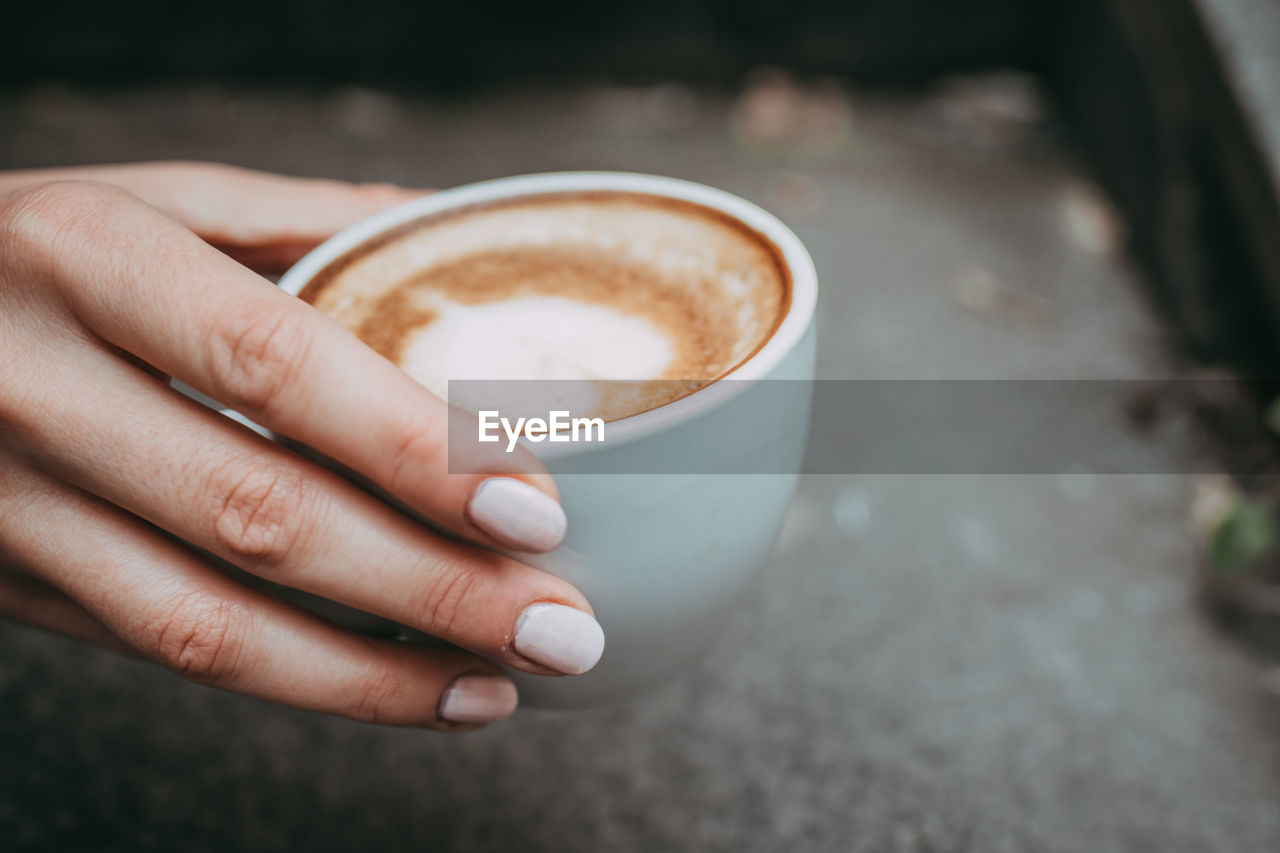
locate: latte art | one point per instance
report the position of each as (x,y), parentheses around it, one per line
(583,286)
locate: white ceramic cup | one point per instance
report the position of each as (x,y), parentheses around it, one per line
(663,558)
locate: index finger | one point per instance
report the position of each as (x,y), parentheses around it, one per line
(188,310)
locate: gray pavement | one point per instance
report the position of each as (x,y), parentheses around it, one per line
(929,664)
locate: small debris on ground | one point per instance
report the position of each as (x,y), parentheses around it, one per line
(645,110)
(779,113)
(795,195)
(978,290)
(982,113)
(1089,221)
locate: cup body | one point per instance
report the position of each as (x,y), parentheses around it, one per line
(664,557)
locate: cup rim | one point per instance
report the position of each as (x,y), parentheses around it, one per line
(786,336)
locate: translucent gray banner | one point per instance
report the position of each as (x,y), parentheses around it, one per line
(1173,426)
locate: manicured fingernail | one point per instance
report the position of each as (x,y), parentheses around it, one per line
(517,514)
(559,637)
(478,699)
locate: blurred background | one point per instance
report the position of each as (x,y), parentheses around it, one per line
(997,189)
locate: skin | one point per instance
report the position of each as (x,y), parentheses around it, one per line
(118,496)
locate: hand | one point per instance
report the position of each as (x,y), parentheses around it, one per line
(114,489)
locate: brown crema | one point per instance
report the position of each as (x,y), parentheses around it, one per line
(713,287)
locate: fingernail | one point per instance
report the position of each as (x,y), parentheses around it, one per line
(478,699)
(517,514)
(559,637)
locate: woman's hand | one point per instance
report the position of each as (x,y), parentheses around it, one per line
(113,487)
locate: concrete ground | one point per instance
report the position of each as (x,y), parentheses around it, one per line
(930,664)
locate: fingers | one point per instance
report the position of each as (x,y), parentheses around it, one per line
(243,207)
(140,446)
(192,313)
(27,600)
(171,607)
(263,220)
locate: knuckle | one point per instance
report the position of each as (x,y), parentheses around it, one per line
(261,511)
(38,221)
(200,637)
(256,355)
(379,696)
(442,599)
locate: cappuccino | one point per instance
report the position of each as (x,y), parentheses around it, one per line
(580,286)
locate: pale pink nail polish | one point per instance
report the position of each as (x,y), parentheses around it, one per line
(517,514)
(558,637)
(478,699)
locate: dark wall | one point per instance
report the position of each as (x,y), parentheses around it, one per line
(444,44)
(1151,100)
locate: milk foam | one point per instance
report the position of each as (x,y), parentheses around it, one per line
(535,337)
(611,286)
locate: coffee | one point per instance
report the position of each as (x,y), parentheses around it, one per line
(584,286)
